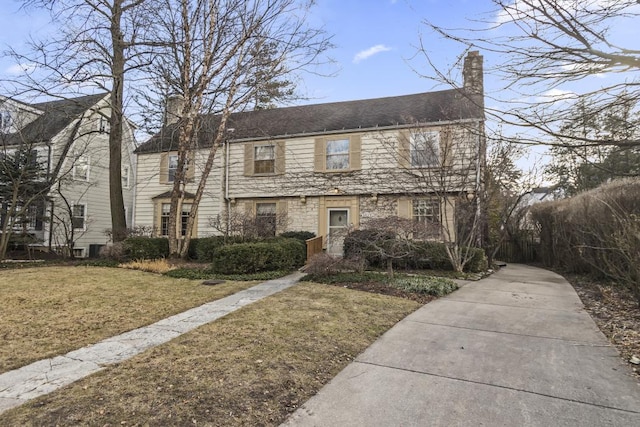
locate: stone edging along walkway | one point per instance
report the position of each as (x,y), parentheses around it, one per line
(43,377)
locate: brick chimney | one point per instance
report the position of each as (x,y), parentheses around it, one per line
(472,73)
(173,111)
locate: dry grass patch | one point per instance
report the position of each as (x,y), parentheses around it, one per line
(252,367)
(160,266)
(53,310)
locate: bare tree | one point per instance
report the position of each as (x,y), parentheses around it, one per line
(212,54)
(97,44)
(542,47)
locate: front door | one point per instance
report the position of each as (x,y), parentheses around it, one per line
(338,223)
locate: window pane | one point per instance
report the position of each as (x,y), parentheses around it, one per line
(186,208)
(338,154)
(81,168)
(264,152)
(340,146)
(164,219)
(266,219)
(78,213)
(425,148)
(172,167)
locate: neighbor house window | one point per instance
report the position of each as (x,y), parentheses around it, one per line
(266,218)
(338,154)
(264,159)
(5,121)
(125,177)
(78,218)
(425,148)
(104,126)
(172,167)
(427,213)
(81,168)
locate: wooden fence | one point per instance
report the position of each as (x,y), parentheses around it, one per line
(314,246)
(524,248)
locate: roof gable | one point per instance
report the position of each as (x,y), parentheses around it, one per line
(56,115)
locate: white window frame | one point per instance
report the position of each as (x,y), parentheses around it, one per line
(424,149)
(126,177)
(171,171)
(76,175)
(6,121)
(84,216)
(78,252)
(420,213)
(164,216)
(264,157)
(330,155)
(104,124)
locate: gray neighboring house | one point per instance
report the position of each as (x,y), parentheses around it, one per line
(70,139)
(324,167)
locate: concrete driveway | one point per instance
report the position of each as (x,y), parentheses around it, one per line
(515,349)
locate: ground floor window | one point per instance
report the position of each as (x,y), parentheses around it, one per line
(78,219)
(266,219)
(426,212)
(182,222)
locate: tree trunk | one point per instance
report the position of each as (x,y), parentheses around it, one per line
(118,218)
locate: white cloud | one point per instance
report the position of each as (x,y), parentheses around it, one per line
(17,69)
(367,53)
(554,95)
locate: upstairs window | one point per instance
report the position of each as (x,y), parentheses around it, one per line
(5,121)
(125,177)
(425,149)
(264,159)
(81,168)
(172,167)
(104,125)
(338,154)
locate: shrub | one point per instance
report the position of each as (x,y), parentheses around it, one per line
(300,235)
(202,249)
(279,254)
(146,247)
(358,244)
(115,252)
(203,274)
(436,286)
(323,264)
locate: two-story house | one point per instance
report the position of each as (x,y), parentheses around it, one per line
(69,139)
(324,167)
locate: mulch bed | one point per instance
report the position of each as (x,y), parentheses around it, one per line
(615,311)
(381,288)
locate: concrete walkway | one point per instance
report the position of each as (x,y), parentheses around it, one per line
(515,349)
(42,377)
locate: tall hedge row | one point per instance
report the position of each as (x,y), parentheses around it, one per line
(596,232)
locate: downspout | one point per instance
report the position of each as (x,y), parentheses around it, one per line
(227,160)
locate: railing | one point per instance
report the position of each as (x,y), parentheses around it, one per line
(314,246)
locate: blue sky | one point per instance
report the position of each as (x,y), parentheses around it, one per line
(375,43)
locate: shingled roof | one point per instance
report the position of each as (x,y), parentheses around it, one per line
(350,116)
(56,116)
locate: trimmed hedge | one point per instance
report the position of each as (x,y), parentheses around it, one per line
(278,254)
(203,249)
(300,235)
(146,247)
